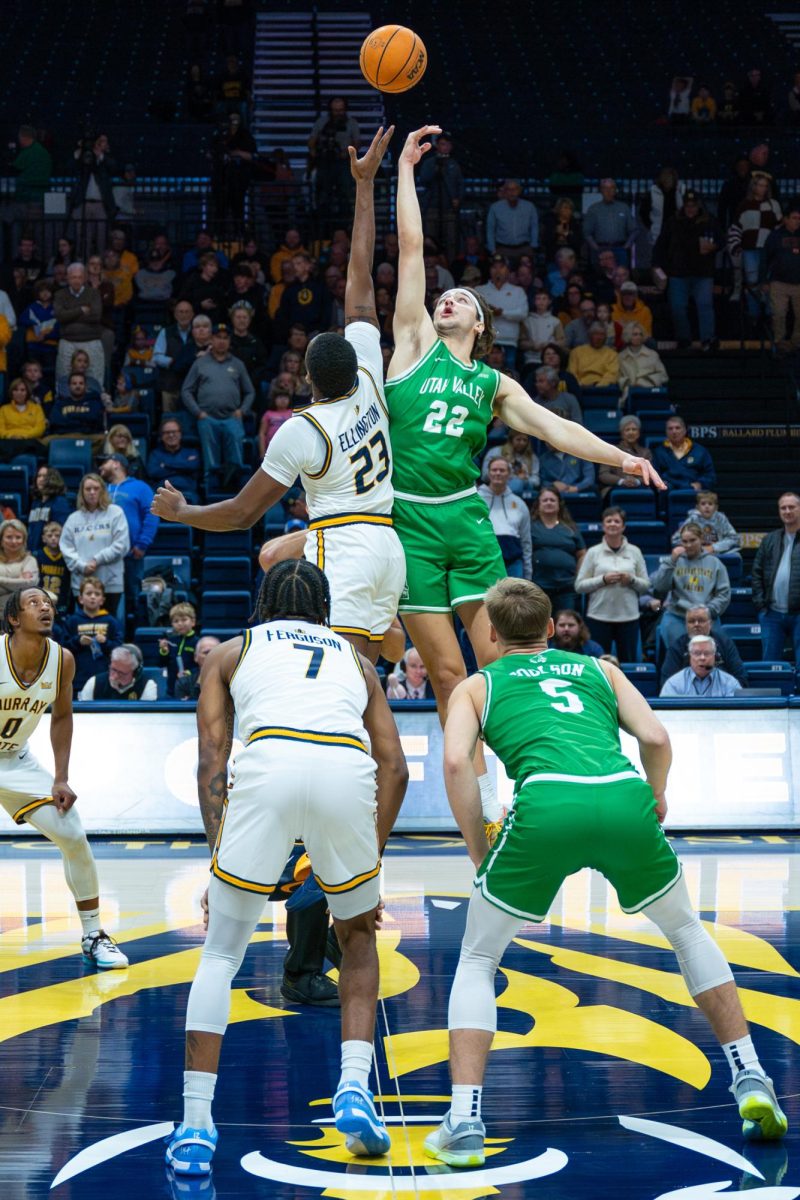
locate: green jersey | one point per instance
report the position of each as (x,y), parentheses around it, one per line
(439,412)
(552,714)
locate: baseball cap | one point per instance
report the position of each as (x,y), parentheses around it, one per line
(471,274)
(499,258)
(629,286)
(120,458)
(221,327)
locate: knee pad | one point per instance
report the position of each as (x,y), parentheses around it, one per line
(702,963)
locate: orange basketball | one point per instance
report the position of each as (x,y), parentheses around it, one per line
(393,58)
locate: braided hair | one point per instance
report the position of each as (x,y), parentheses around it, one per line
(294,588)
(13,606)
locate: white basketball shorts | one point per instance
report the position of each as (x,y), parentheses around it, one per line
(283,790)
(366,570)
(24,784)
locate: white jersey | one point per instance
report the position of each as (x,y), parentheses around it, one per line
(21,705)
(340,448)
(298,682)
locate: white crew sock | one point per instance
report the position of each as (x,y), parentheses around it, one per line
(490,805)
(198,1092)
(90,920)
(466,1103)
(356,1062)
(741,1056)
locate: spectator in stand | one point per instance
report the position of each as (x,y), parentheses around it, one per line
(701,679)
(564,472)
(233,88)
(33,167)
(688,577)
(441,181)
(198,345)
(53,572)
(92,201)
(48,503)
(728,108)
(613,575)
(78,310)
(245,346)
(630,434)
(640,366)
(126,398)
(134,497)
(508,304)
(576,333)
(91,633)
(180,643)
(776,583)
(31,371)
(555,356)
(561,230)
(629,306)
(292,244)
(203,244)
(95,277)
(171,460)
(680,94)
(685,255)
(28,256)
(204,290)
(604,278)
(698,624)
(719,536)
(510,519)
(512,224)
(6,334)
(22,423)
(253,256)
(779,276)
(682,463)
(539,328)
(757,216)
(569,306)
(39,323)
(552,398)
(80,363)
(565,264)
(305,301)
(660,204)
(733,191)
(232,154)
(411,681)
(79,414)
(170,343)
(612,328)
(596,364)
(755,103)
(293,363)
(609,224)
(558,548)
(572,634)
(64,255)
(523,464)
(244,288)
(473,255)
(187,686)
(154,281)
(793,100)
(332,134)
(704,107)
(218,392)
(124,679)
(140,348)
(280,410)
(120,440)
(18,567)
(95,540)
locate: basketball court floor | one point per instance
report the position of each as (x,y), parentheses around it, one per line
(604,1080)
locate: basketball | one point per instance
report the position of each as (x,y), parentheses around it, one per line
(393,58)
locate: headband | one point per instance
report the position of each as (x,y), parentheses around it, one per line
(464,292)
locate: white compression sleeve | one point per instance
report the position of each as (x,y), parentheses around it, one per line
(702,963)
(66,831)
(232,917)
(488,932)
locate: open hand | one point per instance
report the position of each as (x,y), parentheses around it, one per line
(168,503)
(415,147)
(365,169)
(632,465)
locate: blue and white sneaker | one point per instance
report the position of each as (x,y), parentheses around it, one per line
(181,1187)
(354,1109)
(189,1151)
(101,951)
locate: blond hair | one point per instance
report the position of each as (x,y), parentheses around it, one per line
(20,527)
(519,610)
(712,496)
(103,500)
(183,609)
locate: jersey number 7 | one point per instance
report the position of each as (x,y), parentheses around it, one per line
(317,655)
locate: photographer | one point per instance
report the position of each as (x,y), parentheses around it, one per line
(330,137)
(441,184)
(92,201)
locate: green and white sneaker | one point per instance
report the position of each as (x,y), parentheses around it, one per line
(762,1116)
(459,1144)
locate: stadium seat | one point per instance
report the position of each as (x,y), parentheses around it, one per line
(159,678)
(601,421)
(139,425)
(741,609)
(598,400)
(679,503)
(591,531)
(747,639)
(643,676)
(733,565)
(230,572)
(235,542)
(227,608)
(179,566)
(641,400)
(72,457)
(639,503)
(147,640)
(14,501)
(274,520)
(15,479)
(583,506)
(649,536)
(172,539)
(653,421)
(223,632)
(772,674)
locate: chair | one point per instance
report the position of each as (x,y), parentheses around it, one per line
(72,457)
(143,377)
(14,501)
(639,503)
(772,674)
(147,640)
(747,639)
(601,421)
(584,506)
(159,678)
(642,400)
(598,399)
(652,562)
(733,565)
(653,423)
(223,632)
(274,520)
(741,609)
(591,531)
(173,539)
(139,425)
(679,503)
(643,676)
(649,536)
(178,565)
(230,572)
(15,479)
(227,608)
(233,543)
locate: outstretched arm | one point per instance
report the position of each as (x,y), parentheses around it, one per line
(239,512)
(413,328)
(515,407)
(359,297)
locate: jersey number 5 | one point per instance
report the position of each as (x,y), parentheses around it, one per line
(376,443)
(438,412)
(564,700)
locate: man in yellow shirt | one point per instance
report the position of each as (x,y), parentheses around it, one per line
(596,364)
(119,276)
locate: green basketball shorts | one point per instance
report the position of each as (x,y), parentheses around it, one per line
(452,555)
(558,827)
